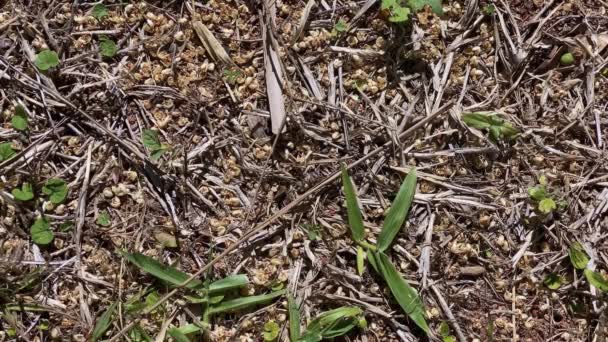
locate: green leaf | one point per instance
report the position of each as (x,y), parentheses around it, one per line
(406,296)
(578,257)
(6,151)
(355,219)
(104,219)
(103,323)
(360,260)
(567,59)
(386,4)
(138,334)
(41,232)
(399,14)
(508,131)
(24,194)
(444,329)
(546,205)
(151,140)
(553,281)
(56,189)
(99,11)
(332,323)
(294,319)
(417,5)
(177,335)
(341,26)
(229,283)
(477,120)
(107,47)
(398,212)
(489,9)
(46,59)
(19,120)
(192,328)
(597,280)
(444,332)
(161,271)
(156,154)
(271,331)
(244,302)
(537,193)
(495,133)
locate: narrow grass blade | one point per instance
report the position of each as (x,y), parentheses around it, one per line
(355,219)
(161,271)
(229,283)
(406,296)
(332,323)
(103,323)
(477,120)
(360,260)
(294,319)
(177,335)
(245,302)
(398,211)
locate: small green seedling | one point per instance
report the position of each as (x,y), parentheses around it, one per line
(151,141)
(553,281)
(499,129)
(488,9)
(107,47)
(231,75)
(399,11)
(6,151)
(580,260)
(24,194)
(214,297)
(41,232)
(103,219)
(99,11)
(328,325)
(596,279)
(19,121)
(271,331)
(339,27)
(444,332)
(567,59)
(406,296)
(56,189)
(46,60)
(578,257)
(544,202)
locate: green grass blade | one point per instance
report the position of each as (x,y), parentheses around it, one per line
(161,271)
(229,283)
(355,219)
(245,302)
(294,319)
(360,260)
(177,335)
(332,323)
(398,211)
(103,323)
(477,120)
(406,296)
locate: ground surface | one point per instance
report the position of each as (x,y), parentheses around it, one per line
(348,90)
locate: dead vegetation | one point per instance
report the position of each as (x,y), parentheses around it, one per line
(210,137)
